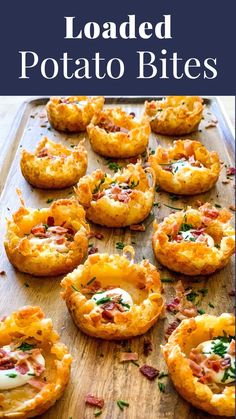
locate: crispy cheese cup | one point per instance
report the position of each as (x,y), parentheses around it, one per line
(114,133)
(120,200)
(214,399)
(187,168)
(175,115)
(47,241)
(53,166)
(111,297)
(73,113)
(194,242)
(36,365)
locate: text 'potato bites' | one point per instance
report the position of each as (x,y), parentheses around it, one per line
(115,133)
(194,242)
(175,115)
(35,366)
(53,166)
(200,356)
(47,241)
(187,168)
(120,200)
(111,297)
(73,113)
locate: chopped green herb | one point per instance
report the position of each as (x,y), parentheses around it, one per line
(26,285)
(174,208)
(124,304)
(135,363)
(120,245)
(203,291)
(192,296)
(133,242)
(91,280)
(218,206)
(217,246)
(98,413)
(211,305)
(72,145)
(103,300)
(26,347)
(134,184)
(49,200)
(114,166)
(90,245)
(186,227)
(167,280)
(162,387)
(174,197)
(157,189)
(96,189)
(229,373)
(201,311)
(75,288)
(121,404)
(156,204)
(219,346)
(11,375)
(162,375)
(46,226)
(31,374)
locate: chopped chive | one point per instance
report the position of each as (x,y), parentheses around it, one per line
(121,404)
(156,204)
(49,200)
(31,374)
(26,285)
(174,208)
(75,288)
(157,189)
(201,311)
(135,363)
(26,347)
(98,413)
(120,245)
(203,291)
(211,305)
(103,300)
(90,245)
(174,197)
(167,280)
(91,280)
(162,375)
(11,375)
(161,387)
(218,206)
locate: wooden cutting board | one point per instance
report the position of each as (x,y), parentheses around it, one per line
(96,368)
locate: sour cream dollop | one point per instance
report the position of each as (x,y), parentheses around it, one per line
(125,297)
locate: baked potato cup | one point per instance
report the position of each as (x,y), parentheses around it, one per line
(120,200)
(115,133)
(187,168)
(35,366)
(201,378)
(73,113)
(194,241)
(47,241)
(111,297)
(53,166)
(175,115)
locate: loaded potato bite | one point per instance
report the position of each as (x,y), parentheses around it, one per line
(175,115)
(111,297)
(73,113)
(53,166)
(187,168)
(120,200)
(194,241)
(200,356)
(47,241)
(115,133)
(34,365)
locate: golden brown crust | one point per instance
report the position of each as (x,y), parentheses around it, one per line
(114,213)
(188,335)
(141,280)
(175,115)
(66,114)
(43,260)
(132,142)
(187,181)
(195,258)
(59,167)
(25,402)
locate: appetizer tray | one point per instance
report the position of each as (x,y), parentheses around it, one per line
(96,368)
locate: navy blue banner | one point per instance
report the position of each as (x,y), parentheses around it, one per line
(117,48)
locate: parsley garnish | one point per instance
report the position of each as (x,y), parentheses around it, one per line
(211,305)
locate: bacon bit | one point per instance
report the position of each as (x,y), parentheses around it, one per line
(196,369)
(147,347)
(107,315)
(98,195)
(98,236)
(128,356)
(225,182)
(172,326)
(43,152)
(123,197)
(206,378)
(39,231)
(210,212)
(6,362)
(199,203)
(137,227)
(232,207)
(94,400)
(231,349)
(2,353)
(149,372)
(58,230)
(196,356)
(22,367)
(210,125)
(231,293)
(50,221)
(230,171)
(34,382)
(188,148)
(92,250)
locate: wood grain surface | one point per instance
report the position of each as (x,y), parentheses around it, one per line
(96,368)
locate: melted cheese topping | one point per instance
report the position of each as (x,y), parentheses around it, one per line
(207,349)
(12,378)
(183,164)
(189,236)
(124,296)
(61,248)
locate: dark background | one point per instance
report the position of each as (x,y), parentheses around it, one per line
(200,29)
